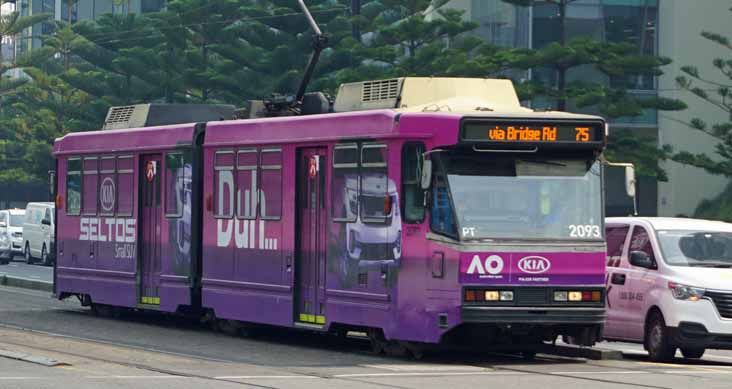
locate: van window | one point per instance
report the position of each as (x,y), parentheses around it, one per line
(2,217)
(90,186)
(641,241)
(413,195)
(73,186)
(615,243)
(47,215)
(270,201)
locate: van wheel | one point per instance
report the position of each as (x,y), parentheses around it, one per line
(27,254)
(692,353)
(657,340)
(44,256)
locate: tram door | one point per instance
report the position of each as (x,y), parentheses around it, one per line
(150,267)
(312,239)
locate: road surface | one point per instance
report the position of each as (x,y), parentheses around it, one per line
(156,351)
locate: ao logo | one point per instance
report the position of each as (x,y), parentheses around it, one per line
(106,194)
(534,265)
(492,265)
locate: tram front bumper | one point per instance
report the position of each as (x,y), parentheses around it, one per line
(533,315)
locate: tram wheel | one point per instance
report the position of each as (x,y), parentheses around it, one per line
(378,342)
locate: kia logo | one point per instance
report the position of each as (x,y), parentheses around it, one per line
(534,265)
(107,194)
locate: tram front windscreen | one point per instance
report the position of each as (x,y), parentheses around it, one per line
(499,197)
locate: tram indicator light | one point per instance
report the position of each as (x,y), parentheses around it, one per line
(532,132)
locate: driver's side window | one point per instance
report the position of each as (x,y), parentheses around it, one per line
(442,220)
(641,241)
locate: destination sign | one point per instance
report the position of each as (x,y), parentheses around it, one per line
(533,132)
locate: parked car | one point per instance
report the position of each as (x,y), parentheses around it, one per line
(669,285)
(11,234)
(38,233)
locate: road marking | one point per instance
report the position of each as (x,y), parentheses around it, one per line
(426,374)
(427,367)
(24,378)
(135,377)
(254,377)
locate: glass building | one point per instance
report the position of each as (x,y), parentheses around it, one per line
(630,21)
(73,11)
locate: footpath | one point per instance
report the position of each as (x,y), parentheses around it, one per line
(22,275)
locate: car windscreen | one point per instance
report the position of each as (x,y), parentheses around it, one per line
(696,248)
(17,220)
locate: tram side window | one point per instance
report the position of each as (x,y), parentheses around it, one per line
(246,180)
(107,185)
(345,183)
(441,216)
(224,184)
(378,194)
(125,185)
(413,195)
(73,186)
(90,186)
(178,184)
(270,194)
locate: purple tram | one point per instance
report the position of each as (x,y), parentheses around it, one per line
(420,210)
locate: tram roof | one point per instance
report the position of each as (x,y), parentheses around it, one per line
(386,123)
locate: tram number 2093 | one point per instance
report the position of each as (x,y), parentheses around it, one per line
(584,231)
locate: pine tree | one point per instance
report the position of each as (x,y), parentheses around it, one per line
(619,62)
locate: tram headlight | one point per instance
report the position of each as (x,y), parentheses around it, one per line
(561,296)
(492,295)
(506,295)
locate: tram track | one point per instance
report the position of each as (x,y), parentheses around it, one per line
(354,378)
(368,377)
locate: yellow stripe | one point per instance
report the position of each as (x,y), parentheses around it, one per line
(320,319)
(150,300)
(303,317)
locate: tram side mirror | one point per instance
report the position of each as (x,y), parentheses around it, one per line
(52,182)
(630,181)
(426,179)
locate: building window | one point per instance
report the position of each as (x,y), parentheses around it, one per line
(246,180)
(635,23)
(151,5)
(224,184)
(270,193)
(73,186)
(90,186)
(412,193)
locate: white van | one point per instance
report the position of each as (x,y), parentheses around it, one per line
(669,284)
(38,233)
(11,234)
